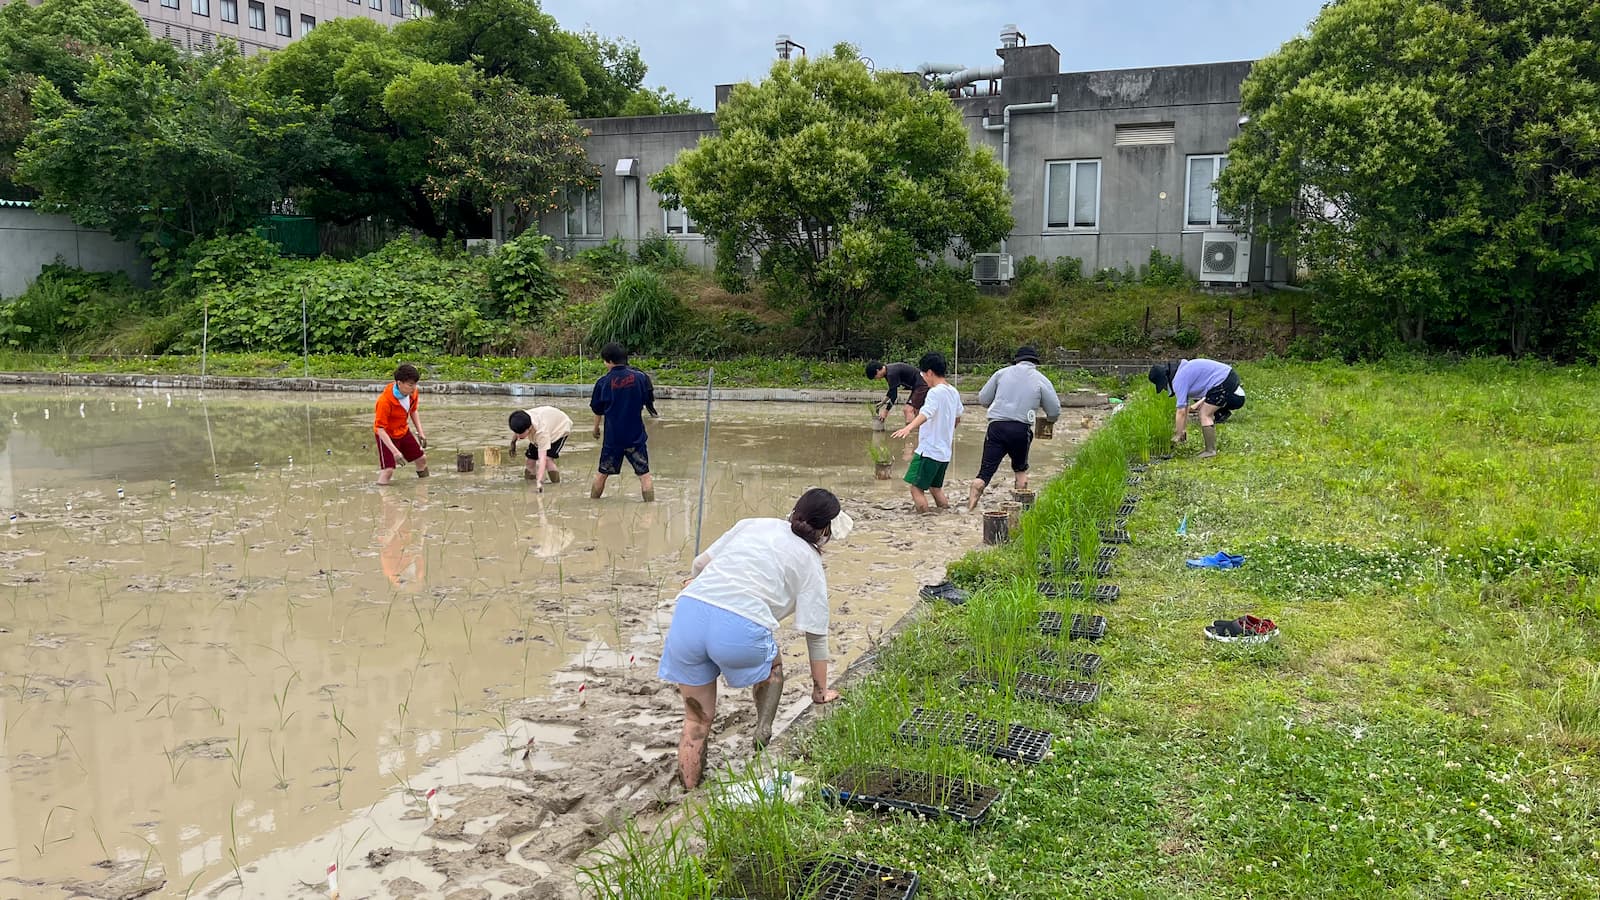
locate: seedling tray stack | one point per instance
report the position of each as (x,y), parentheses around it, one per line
(1108,553)
(1060,691)
(1102,568)
(918,793)
(1134,480)
(983,735)
(1129,504)
(1081,628)
(1115,536)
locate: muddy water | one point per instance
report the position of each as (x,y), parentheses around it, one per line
(228,658)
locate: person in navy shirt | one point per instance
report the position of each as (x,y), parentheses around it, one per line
(619,401)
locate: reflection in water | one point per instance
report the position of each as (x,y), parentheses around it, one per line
(216,670)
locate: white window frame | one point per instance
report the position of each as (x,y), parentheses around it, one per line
(1218,218)
(230,11)
(1072,166)
(685,225)
(583,198)
(257,23)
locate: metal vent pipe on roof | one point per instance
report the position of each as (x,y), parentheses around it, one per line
(1004,127)
(1010,37)
(929,68)
(968,76)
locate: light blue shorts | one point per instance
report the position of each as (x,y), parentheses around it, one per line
(705,641)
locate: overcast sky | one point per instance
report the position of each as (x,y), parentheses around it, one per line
(692,46)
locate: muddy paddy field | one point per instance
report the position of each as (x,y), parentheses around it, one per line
(228,660)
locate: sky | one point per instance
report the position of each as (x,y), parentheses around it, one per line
(692,46)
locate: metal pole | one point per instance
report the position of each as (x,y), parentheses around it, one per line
(955,370)
(305,342)
(705,452)
(205,337)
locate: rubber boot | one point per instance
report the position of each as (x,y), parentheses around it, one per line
(555,477)
(768,693)
(530,476)
(1209,432)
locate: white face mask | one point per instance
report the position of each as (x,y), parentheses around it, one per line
(841,526)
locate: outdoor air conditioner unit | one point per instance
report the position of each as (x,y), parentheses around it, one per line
(1225,258)
(991,268)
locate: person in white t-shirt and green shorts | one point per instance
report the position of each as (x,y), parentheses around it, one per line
(935,425)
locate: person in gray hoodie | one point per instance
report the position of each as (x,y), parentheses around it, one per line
(1014,395)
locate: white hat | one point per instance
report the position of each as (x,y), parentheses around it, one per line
(841,526)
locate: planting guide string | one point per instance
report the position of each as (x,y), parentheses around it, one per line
(705,450)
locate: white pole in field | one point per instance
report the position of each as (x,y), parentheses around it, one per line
(955,369)
(305,341)
(705,452)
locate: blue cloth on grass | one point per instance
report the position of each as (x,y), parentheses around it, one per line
(1218,560)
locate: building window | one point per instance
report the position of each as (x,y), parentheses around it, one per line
(416,10)
(170,4)
(677,221)
(200,7)
(230,11)
(1202,201)
(258,16)
(280,21)
(376,4)
(397,8)
(1072,194)
(307,23)
(583,212)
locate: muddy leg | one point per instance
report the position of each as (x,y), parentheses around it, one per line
(974,491)
(422,466)
(647,487)
(919,499)
(1022,481)
(599,486)
(939,498)
(767,695)
(699,706)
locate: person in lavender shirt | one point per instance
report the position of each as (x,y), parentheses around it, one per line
(1215,392)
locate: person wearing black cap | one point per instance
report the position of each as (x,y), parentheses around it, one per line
(899,375)
(1014,395)
(1216,391)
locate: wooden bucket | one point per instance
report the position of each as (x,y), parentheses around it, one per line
(492,456)
(463,462)
(996,527)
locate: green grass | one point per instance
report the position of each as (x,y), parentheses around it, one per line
(1426,726)
(750,371)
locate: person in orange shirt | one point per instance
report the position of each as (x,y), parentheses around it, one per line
(393,420)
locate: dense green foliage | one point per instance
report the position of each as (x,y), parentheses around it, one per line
(430,124)
(1423,727)
(639,312)
(842,182)
(1442,162)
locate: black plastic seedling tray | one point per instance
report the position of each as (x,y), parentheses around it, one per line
(1102,568)
(840,878)
(1085,664)
(1016,742)
(1062,691)
(1081,627)
(1115,536)
(918,793)
(1134,479)
(1129,503)
(1108,552)
(1102,593)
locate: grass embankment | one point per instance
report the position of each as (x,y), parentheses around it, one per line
(1425,727)
(754,372)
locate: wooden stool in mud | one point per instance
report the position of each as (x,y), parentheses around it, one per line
(463,462)
(1013,511)
(491,456)
(1044,429)
(1025,498)
(996,527)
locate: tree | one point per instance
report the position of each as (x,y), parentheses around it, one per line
(656,102)
(842,182)
(519,41)
(509,149)
(1442,160)
(166,159)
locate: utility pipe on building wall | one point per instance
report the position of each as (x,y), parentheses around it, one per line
(968,76)
(1053,104)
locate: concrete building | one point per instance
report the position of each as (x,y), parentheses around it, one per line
(257,25)
(1103,166)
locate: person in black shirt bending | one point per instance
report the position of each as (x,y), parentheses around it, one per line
(899,375)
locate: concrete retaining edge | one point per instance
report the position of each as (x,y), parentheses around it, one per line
(1080,399)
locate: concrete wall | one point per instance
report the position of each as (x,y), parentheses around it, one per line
(30,240)
(1143,188)
(630,210)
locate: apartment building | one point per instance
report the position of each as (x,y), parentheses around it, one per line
(257,25)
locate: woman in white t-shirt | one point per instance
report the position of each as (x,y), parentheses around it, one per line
(760,572)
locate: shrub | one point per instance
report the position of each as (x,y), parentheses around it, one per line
(1068,270)
(607,260)
(938,288)
(1036,292)
(661,253)
(639,312)
(731,273)
(522,279)
(65,304)
(1165,270)
(1588,333)
(1030,266)
(405,298)
(1186,338)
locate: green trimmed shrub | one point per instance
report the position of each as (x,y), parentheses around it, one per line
(638,313)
